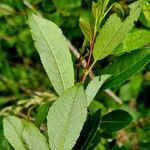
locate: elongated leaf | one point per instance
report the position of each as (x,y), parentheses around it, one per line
(119,7)
(67,4)
(53,51)
(4,144)
(114,31)
(115,120)
(41,114)
(66,118)
(94,9)
(32,137)
(125,66)
(13,129)
(133,41)
(145,15)
(84,24)
(94,86)
(89,131)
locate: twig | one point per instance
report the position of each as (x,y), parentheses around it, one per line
(12,11)
(91,74)
(89,58)
(113,96)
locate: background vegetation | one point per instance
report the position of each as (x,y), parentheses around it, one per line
(24,85)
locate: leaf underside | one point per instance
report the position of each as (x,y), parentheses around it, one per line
(53,51)
(13,129)
(66,118)
(23,135)
(32,137)
(93,87)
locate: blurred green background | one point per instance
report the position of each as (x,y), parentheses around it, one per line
(24,84)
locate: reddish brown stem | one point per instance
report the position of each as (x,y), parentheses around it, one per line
(89,58)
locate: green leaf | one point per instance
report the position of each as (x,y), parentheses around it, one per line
(94,9)
(94,86)
(66,118)
(32,137)
(95,142)
(125,66)
(131,89)
(114,31)
(125,92)
(85,27)
(136,84)
(118,6)
(89,131)
(13,129)
(96,105)
(115,120)
(134,40)
(67,4)
(145,15)
(4,145)
(53,51)
(41,113)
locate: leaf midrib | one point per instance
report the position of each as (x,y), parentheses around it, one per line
(114,121)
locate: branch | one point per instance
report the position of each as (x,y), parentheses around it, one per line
(91,74)
(111,94)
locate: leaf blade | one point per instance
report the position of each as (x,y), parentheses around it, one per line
(13,129)
(115,120)
(89,131)
(93,87)
(125,66)
(53,51)
(32,137)
(66,118)
(41,113)
(85,27)
(134,40)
